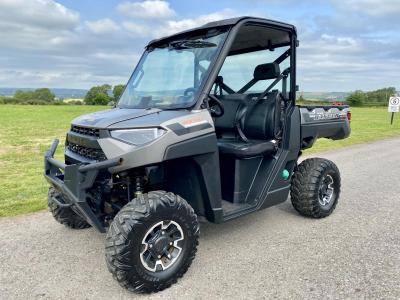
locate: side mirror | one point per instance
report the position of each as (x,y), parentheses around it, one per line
(112,104)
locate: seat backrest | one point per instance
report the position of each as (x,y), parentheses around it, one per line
(258,121)
(267,71)
(232,103)
(263,120)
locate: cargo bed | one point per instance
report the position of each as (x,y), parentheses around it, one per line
(324,121)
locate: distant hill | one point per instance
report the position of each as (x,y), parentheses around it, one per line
(325,96)
(59,92)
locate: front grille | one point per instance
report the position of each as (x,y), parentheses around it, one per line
(85,131)
(89,153)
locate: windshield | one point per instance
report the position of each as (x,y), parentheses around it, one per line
(170,75)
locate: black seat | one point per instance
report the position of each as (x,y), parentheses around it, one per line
(246,149)
(261,124)
(261,127)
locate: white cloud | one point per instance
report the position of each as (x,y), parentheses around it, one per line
(43,43)
(102,26)
(117,57)
(35,24)
(333,62)
(148,9)
(57,78)
(139,30)
(173,26)
(375,8)
(46,14)
(168,27)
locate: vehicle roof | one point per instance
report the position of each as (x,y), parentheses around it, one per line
(225,22)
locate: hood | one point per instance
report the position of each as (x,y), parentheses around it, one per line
(106,118)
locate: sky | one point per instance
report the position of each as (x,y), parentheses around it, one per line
(344,45)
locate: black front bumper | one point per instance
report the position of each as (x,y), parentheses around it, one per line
(73,181)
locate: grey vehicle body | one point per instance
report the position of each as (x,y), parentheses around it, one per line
(154,152)
(189,143)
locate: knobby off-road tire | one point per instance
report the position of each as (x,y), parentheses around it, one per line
(315,187)
(64,215)
(137,227)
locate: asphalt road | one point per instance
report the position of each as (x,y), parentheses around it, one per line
(275,253)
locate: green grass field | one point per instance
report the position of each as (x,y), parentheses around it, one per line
(27,131)
(367,125)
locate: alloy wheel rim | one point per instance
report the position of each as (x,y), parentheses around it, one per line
(160,247)
(326,191)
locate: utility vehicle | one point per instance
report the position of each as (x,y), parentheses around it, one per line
(207,126)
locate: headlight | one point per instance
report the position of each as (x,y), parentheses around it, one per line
(138,136)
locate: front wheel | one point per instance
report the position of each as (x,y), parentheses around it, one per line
(64,215)
(152,241)
(315,187)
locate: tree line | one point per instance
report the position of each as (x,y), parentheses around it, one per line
(374,98)
(378,97)
(106,94)
(39,96)
(97,95)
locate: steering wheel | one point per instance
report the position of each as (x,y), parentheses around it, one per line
(215,106)
(189,92)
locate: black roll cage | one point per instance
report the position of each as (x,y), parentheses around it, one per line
(247,86)
(234,25)
(224,51)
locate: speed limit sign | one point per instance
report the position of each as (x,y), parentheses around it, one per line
(394,104)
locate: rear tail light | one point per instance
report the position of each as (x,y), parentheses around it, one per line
(349,116)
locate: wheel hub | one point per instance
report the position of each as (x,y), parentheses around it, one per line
(161,246)
(326,191)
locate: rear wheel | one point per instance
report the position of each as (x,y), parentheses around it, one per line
(315,187)
(152,241)
(64,215)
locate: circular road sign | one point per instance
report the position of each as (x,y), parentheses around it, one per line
(395,101)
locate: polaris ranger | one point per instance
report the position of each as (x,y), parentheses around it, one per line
(207,126)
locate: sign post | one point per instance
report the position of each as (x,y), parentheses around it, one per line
(394,107)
